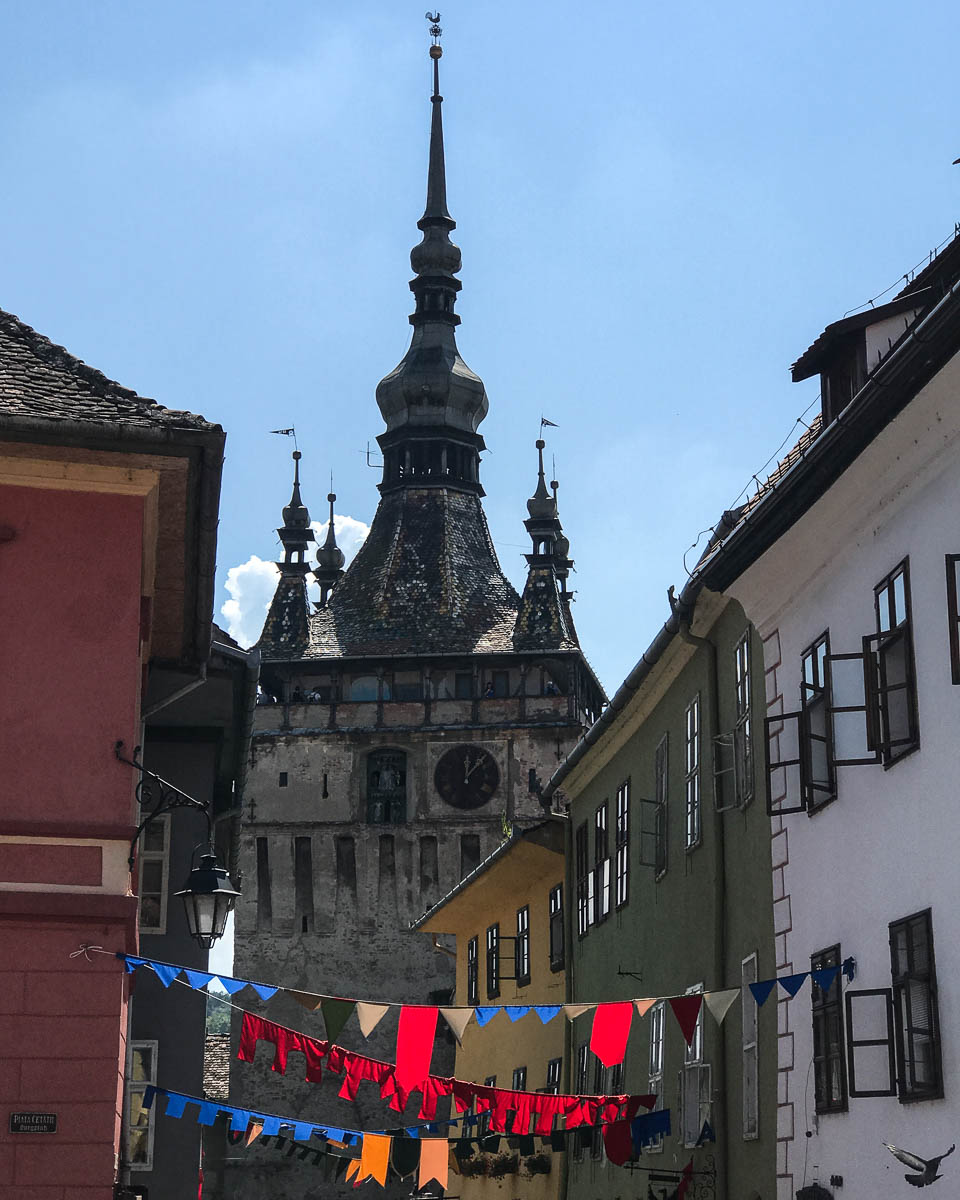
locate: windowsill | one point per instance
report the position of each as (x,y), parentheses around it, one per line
(694,845)
(660,875)
(556,966)
(829,1112)
(524,982)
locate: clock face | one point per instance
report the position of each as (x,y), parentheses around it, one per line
(466,776)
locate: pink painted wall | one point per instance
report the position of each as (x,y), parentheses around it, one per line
(70,622)
(62,1048)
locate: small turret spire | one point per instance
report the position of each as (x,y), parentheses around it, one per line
(330,558)
(295,533)
(541,505)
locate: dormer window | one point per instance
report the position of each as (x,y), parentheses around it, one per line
(844,375)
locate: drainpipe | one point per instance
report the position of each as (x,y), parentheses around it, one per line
(684,614)
(569,901)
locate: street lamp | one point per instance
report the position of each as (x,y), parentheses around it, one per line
(208,896)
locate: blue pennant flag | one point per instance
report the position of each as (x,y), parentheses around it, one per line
(849,967)
(413,1132)
(197,979)
(825,979)
(231,986)
(546,1012)
(762,990)
(208,1112)
(239,1119)
(792,984)
(164,972)
(264,991)
(148,1095)
(516,1011)
(302,1131)
(648,1127)
(706,1134)
(484,1015)
(175,1104)
(271,1126)
(130,963)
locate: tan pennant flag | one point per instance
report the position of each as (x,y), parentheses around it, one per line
(458,1019)
(719,1002)
(434,1161)
(370,1016)
(644,1006)
(253,1132)
(307,999)
(572,1011)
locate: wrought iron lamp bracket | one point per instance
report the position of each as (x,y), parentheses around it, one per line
(159,795)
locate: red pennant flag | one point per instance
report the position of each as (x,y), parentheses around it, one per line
(611,1028)
(415,1034)
(685,1180)
(686,1009)
(618,1142)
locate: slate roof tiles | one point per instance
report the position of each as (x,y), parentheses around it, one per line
(40,380)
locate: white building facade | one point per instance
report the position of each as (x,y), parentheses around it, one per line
(847,564)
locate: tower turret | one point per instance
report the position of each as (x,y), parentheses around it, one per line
(330,558)
(286,625)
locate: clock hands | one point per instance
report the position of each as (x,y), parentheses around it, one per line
(468,770)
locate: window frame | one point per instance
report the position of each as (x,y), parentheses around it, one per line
(473,971)
(557,932)
(655,1067)
(554,1076)
(622,845)
(749,1049)
(584,877)
(822,1006)
(816,694)
(521,947)
(692,750)
(891,749)
(138,1088)
(601,863)
(661,771)
(493,960)
(145,855)
(583,1052)
(908,1090)
(952,562)
(743,741)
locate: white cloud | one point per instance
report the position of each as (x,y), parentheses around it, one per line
(251,587)
(251,584)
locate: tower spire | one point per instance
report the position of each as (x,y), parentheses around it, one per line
(431,401)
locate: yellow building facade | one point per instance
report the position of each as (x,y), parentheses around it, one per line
(508,920)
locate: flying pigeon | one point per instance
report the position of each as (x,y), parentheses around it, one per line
(928,1167)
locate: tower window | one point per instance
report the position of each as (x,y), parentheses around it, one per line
(282,782)
(387,787)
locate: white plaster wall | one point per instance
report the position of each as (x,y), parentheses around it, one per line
(887,847)
(884,334)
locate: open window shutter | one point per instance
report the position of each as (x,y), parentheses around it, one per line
(648,832)
(785,766)
(871,1062)
(852,706)
(896,697)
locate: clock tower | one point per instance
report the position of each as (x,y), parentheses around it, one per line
(408,717)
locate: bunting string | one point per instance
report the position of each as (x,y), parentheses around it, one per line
(609,1032)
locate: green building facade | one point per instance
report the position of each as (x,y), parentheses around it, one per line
(669,891)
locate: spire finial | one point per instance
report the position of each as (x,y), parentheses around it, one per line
(540,503)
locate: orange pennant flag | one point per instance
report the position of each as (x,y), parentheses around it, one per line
(375,1157)
(254,1132)
(353,1166)
(434,1161)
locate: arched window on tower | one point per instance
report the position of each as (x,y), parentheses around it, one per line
(386,787)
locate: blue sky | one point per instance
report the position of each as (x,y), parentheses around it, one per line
(659,208)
